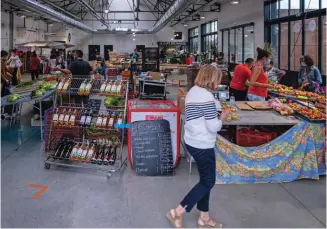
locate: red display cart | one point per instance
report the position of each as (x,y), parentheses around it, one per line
(139,110)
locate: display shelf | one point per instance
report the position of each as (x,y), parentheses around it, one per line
(92,130)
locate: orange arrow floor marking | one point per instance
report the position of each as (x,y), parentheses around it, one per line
(37,195)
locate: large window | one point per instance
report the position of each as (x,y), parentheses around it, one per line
(193,40)
(209,38)
(238,43)
(295,28)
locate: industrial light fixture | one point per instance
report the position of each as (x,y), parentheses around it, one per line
(51,24)
(133,35)
(235,2)
(171,39)
(202,17)
(106,11)
(185,25)
(22,16)
(246,35)
(122,29)
(133,39)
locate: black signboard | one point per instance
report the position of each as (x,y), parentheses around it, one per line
(171,43)
(94,104)
(152,153)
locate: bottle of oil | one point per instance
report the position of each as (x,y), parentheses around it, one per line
(103,87)
(72,119)
(66,118)
(60,85)
(55,117)
(61,117)
(108,87)
(66,85)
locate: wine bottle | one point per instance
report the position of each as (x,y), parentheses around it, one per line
(66,118)
(66,85)
(88,119)
(118,89)
(108,87)
(60,85)
(112,120)
(82,88)
(90,153)
(103,86)
(72,118)
(104,121)
(113,88)
(99,120)
(55,117)
(83,119)
(79,152)
(102,153)
(88,87)
(61,117)
(74,151)
(67,148)
(113,155)
(84,153)
(108,153)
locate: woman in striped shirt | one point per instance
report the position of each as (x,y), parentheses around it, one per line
(203,119)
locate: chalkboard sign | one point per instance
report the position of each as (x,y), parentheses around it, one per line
(152,153)
(94,104)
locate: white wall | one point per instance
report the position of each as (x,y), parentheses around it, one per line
(231,15)
(21,34)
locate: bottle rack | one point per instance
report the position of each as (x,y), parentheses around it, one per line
(101,126)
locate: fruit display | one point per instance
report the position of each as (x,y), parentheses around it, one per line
(278,106)
(233,114)
(297,94)
(13,98)
(309,113)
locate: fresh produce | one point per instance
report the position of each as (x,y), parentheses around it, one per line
(48,86)
(311,113)
(298,94)
(13,98)
(37,93)
(114,101)
(50,78)
(278,106)
(25,84)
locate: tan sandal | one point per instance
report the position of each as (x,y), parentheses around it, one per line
(207,225)
(172,219)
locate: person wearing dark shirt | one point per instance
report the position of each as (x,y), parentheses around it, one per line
(242,73)
(80,71)
(99,58)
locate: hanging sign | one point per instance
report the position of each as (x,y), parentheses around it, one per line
(171,43)
(312,26)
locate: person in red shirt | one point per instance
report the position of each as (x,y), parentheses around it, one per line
(188,59)
(258,90)
(242,73)
(34,65)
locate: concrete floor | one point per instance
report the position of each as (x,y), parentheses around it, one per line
(83,198)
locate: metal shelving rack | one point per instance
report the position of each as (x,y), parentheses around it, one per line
(115,135)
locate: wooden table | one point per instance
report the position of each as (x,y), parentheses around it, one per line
(262,118)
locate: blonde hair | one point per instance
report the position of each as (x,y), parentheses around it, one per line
(209,77)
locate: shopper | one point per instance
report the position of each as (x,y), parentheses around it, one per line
(80,70)
(258,90)
(60,61)
(201,127)
(309,76)
(5,75)
(53,61)
(275,75)
(99,58)
(188,59)
(70,58)
(15,64)
(34,68)
(242,73)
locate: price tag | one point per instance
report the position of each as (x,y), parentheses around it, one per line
(175,82)
(182,83)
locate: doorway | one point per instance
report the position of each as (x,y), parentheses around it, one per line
(107,49)
(93,50)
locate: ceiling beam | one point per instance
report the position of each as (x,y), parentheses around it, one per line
(61,9)
(131,19)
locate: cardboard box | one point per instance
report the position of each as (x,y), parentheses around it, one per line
(155,75)
(181,103)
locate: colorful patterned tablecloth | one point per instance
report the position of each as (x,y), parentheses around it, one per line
(297,154)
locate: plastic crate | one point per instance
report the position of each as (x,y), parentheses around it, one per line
(247,137)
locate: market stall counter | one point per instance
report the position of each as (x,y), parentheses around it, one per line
(296,154)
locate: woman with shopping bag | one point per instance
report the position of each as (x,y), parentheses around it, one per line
(15,64)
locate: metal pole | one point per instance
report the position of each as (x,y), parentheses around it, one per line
(11,30)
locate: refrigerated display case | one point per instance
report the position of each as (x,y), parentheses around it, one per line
(139,110)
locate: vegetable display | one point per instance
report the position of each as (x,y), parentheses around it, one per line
(25,84)
(311,113)
(114,101)
(13,98)
(298,94)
